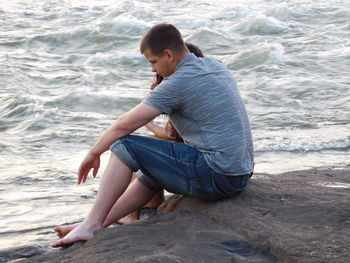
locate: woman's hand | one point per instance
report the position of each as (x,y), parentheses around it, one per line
(172,133)
(91,161)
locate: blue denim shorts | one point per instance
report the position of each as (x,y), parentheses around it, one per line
(175,167)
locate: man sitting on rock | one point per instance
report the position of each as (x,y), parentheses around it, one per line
(202,101)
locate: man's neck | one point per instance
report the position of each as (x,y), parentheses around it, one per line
(180,56)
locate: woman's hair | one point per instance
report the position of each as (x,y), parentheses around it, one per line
(169,126)
(193,49)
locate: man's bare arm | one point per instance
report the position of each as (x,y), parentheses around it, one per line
(124,125)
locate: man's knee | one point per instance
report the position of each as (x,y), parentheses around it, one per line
(121,151)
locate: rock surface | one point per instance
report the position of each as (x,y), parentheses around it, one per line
(301,217)
(20,252)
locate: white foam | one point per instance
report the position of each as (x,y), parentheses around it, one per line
(331,184)
(304,140)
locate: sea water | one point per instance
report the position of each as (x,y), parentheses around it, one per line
(68,69)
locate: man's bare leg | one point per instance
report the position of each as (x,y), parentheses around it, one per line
(115,180)
(157,199)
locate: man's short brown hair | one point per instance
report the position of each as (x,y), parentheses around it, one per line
(161,37)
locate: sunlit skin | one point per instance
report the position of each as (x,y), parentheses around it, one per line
(62,231)
(157,199)
(115,199)
(159,132)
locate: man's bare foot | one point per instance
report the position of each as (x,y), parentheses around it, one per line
(82,232)
(62,231)
(132,217)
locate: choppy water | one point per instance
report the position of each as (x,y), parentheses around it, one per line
(69,68)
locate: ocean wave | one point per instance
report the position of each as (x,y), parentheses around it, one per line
(84,100)
(123,59)
(341,15)
(302,144)
(92,36)
(124,24)
(262,53)
(2,146)
(36,120)
(24,113)
(16,107)
(79,40)
(261,25)
(231,13)
(210,40)
(286,12)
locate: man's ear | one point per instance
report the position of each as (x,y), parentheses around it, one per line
(169,53)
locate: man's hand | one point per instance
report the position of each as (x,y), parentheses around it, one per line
(90,161)
(124,125)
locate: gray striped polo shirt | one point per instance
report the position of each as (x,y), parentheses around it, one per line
(202,100)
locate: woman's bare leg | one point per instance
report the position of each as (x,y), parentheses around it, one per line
(156,201)
(64,230)
(133,216)
(135,197)
(114,182)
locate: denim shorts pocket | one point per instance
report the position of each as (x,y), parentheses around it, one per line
(230,185)
(204,187)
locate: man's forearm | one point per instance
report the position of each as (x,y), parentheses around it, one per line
(112,134)
(126,124)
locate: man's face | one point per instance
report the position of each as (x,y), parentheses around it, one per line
(160,64)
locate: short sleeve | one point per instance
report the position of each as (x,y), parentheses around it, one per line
(165,97)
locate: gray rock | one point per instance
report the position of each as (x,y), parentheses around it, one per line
(20,252)
(294,217)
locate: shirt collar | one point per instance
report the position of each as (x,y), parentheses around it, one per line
(187,58)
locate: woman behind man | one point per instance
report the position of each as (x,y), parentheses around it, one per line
(166,133)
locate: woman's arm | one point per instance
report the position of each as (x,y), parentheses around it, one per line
(166,133)
(158,130)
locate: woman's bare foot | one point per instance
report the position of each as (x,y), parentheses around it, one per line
(62,231)
(156,201)
(82,232)
(132,217)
